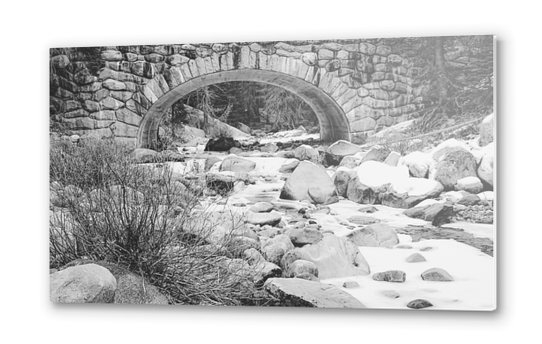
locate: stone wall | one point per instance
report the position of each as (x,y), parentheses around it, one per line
(107,91)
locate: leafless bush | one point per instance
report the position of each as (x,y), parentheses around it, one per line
(146,220)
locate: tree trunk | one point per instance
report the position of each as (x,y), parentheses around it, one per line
(440,63)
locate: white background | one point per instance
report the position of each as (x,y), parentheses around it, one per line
(29,29)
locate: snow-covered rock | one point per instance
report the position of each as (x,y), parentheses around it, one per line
(333,256)
(302,293)
(289,166)
(376,174)
(376,153)
(485,169)
(301,267)
(449,145)
(310,182)
(236,164)
(306,152)
(262,219)
(456,164)
(437,214)
(343,148)
(418,163)
(452,196)
(371,179)
(429,201)
(303,236)
(392,159)
(261,207)
(405,193)
(269,147)
(350,161)
(486,195)
(486,130)
(469,184)
(375,235)
(341,178)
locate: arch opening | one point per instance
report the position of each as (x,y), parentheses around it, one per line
(333,122)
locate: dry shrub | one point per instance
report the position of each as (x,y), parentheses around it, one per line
(148,222)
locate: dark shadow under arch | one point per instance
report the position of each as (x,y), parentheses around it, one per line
(333,122)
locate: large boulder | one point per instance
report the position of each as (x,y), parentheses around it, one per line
(485,169)
(333,256)
(310,182)
(89,283)
(341,178)
(289,166)
(486,130)
(470,184)
(437,214)
(131,288)
(301,267)
(418,163)
(375,235)
(275,248)
(448,146)
(454,165)
(406,193)
(306,152)
(343,148)
(221,144)
(261,207)
(297,292)
(392,159)
(269,147)
(210,162)
(376,153)
(265,270)
(236,164)
(361,193)
(262,219)
(350,161)
(372,179)
(376,174)
(304,236)
(274,252)
(222,182)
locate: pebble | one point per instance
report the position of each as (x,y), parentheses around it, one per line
(419,304)
(351,284)
(390,276)
(415,258)
(392,294)
(437,274)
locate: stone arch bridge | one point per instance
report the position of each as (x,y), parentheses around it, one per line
(355,87)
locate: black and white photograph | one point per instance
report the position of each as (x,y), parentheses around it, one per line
(270,172)
(333,173)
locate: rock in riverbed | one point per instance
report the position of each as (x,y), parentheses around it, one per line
(310,182)
(89,283)
(297,292)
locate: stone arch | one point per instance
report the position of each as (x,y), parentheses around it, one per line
(333,122)
(356,87)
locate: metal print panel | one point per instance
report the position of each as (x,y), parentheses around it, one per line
(332,174)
